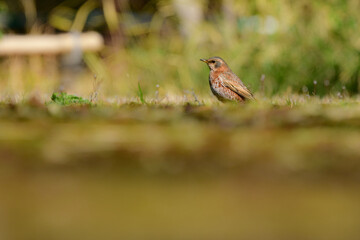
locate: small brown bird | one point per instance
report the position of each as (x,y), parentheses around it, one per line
(224,84)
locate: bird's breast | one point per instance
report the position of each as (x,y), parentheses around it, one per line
(215,82)
(213,76)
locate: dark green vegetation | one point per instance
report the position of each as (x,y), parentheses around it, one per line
(267,170)
(66,99)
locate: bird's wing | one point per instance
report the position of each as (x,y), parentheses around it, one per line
(234,84)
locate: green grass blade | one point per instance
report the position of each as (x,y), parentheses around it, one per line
(141,94)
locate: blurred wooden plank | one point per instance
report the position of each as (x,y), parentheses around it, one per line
(50,44)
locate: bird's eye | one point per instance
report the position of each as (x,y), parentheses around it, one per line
(212,61)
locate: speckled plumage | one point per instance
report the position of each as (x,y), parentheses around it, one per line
(224,84)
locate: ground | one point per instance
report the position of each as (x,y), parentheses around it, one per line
(277,168)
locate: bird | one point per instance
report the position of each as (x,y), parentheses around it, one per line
(224,83)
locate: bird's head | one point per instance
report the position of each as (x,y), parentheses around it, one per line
(215,63)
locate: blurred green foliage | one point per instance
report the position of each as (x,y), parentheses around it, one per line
(313,48)
(310,47)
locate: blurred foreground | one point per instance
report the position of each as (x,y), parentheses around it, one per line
(275,169)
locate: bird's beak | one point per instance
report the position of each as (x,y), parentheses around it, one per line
(204,60)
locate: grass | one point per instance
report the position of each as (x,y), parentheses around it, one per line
(141,94)
(66,99)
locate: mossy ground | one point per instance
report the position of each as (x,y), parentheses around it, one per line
(280,167)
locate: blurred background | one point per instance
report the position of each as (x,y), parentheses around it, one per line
(149,153)
(309,47)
